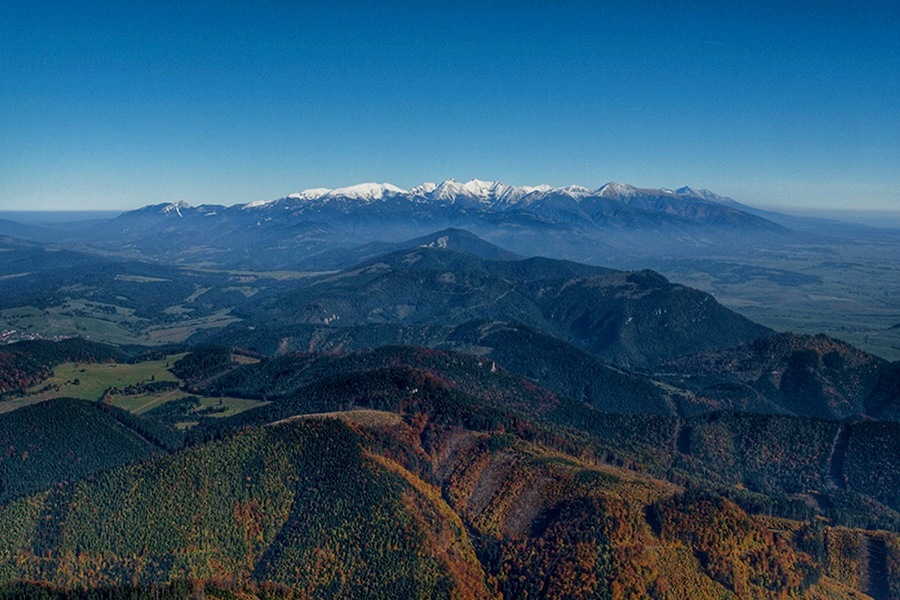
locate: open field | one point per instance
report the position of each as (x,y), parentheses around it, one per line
(95,378)
(250,276)
(93,381)
(179,332)
(364,416)
(142,403)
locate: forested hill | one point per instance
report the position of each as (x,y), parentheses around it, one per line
(375,505)
(411,471)
(633,319)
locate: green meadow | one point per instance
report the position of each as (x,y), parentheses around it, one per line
(108,382)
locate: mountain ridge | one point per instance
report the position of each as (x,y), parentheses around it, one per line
(495,194)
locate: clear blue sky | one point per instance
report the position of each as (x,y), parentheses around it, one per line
(118,104)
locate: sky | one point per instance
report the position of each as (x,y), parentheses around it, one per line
(115,105)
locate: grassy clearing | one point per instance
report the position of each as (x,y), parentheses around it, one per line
(232,406)
(197,293)
(94,379)
(247,291)
(364,416)
(145,402)
(166,334)
(251,276)
(17,403)
(140,279)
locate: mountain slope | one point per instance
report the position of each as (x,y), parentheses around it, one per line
(64,440)
(775,459)
(368,503)
(632,319)
(814,376)
(186,516)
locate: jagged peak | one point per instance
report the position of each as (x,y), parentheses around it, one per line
(176,207)
(702,193)
(310,194)
(450,189)
(616,190)
(423,189)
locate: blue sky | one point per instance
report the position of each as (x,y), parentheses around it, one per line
(113,105)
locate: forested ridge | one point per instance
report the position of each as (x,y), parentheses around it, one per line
(407,472)
(377,505)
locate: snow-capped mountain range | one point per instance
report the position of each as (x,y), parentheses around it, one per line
(486,194)
(476,202)
(612,221)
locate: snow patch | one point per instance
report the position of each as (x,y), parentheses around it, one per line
(176,207)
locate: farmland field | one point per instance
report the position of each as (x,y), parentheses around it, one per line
(110,382)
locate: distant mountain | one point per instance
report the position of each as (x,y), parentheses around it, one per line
(450,239)
(554,364)
(21,230)
(633,319)
(497,196)
(209,236)
(299,230)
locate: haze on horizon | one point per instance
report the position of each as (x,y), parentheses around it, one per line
(108,106)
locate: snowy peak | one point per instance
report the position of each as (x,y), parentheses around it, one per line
(623,191)
(493,193)
(176,208)
(575,191)
(487,189)
(617,190)
(288,201)
(423,189)
(702,194)
(451,190)
(309,194)
(258,204)
(365,191)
